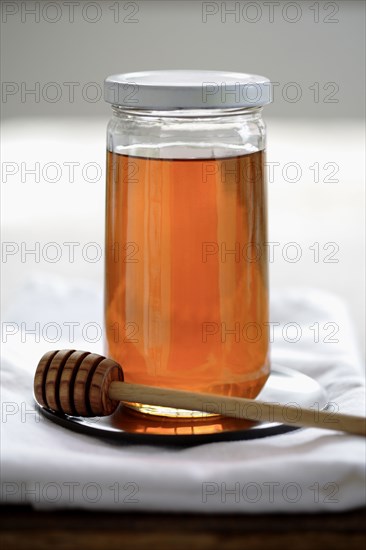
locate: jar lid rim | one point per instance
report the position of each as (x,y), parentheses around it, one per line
(187,89)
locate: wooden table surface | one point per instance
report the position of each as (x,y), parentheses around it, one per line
(24,528)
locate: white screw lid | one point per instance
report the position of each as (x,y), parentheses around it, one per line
(187,89)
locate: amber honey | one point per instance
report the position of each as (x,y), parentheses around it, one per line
(186,291)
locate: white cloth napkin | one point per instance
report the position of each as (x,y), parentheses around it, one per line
(49,466)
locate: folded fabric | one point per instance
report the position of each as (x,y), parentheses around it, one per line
(48,466)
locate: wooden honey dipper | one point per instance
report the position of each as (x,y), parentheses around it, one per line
(80,383)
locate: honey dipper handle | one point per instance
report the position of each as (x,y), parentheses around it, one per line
(237,407)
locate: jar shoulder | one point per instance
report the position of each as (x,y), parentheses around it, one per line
(186,137)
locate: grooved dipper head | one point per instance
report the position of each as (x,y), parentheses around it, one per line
(76,382)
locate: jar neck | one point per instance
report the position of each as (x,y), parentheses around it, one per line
(252,113)
(183,133)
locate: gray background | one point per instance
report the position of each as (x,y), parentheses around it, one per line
(173,34)
(328,55)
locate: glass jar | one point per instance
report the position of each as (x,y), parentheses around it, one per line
(186,281)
